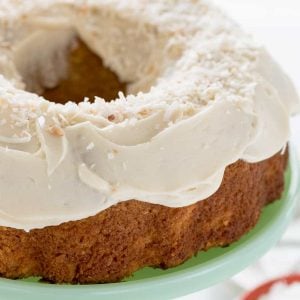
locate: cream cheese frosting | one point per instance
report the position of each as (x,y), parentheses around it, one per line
(202,95)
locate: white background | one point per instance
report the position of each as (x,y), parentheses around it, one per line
(276,23)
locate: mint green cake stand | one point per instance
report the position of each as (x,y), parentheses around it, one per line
(200,272)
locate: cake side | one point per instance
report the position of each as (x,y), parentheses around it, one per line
(130,235)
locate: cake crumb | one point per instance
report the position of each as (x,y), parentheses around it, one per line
(111,118)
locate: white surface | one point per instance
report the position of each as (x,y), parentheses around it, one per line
(282,291)
(277,24)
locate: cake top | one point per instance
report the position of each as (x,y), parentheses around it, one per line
(201,95)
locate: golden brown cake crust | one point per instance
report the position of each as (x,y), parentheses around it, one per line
(133,234)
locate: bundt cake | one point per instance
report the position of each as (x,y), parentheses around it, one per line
(132,133)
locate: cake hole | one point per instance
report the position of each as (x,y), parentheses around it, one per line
(86,77)
(61,67)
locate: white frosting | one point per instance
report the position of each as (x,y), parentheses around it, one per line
(283,291)
(203,95)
